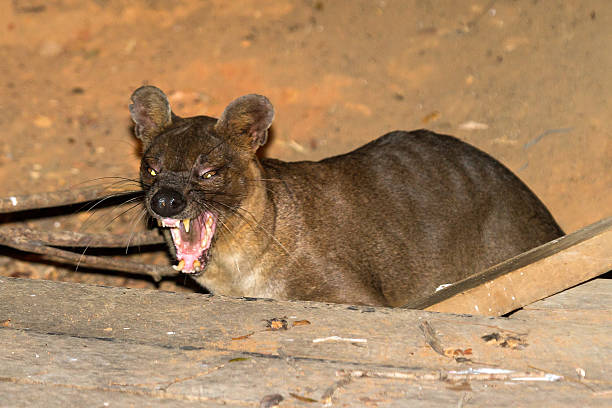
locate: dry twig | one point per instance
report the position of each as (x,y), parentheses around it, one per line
(44,242)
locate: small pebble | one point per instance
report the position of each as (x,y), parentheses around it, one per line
(50,48)
(43,122)
(471,125)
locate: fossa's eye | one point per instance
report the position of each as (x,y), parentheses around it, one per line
(209,174)
(152,171)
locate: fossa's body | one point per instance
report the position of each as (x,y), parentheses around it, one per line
(382,225)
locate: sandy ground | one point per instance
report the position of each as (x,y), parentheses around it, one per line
(527,81)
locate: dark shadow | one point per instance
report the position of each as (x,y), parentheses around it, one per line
(262,152)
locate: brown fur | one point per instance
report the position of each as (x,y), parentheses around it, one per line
(381,225)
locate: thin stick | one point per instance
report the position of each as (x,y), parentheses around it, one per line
(477,374)
(77,239)
(23,243)
(58,198)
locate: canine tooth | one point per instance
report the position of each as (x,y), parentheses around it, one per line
(209,221)
(197,265)
(186,224)
(160,223)
(180,265)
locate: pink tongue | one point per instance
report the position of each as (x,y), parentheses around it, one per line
(189,260)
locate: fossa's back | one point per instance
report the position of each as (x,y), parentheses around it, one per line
(404,214)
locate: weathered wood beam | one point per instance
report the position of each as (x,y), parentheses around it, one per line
(73,196)
(530,276)
(83,345)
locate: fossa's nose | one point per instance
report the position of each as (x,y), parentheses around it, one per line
(167,202)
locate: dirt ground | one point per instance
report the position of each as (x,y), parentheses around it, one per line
(527,81)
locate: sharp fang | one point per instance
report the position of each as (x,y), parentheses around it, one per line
(159,223)
(197,265)
(186,224)
(180,265)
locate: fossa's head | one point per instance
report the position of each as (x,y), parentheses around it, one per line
(194,170)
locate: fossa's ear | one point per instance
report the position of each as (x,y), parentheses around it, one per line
(247,120)
(150,112)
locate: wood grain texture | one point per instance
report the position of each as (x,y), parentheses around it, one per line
(80,345)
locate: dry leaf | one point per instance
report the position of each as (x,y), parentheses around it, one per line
(300,398)
(505,340)
(233,360)
(277,323)
(431,117)
(246,336)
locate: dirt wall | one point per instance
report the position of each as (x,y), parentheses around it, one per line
(527,81)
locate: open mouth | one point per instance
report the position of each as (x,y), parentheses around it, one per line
(192,239)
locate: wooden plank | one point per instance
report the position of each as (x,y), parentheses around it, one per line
(595,295)
(152,348)
(531,276)
(586,303)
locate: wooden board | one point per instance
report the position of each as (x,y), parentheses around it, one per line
(531,276)
(587,302)
(80,345)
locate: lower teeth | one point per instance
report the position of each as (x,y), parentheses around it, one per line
(180,266)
